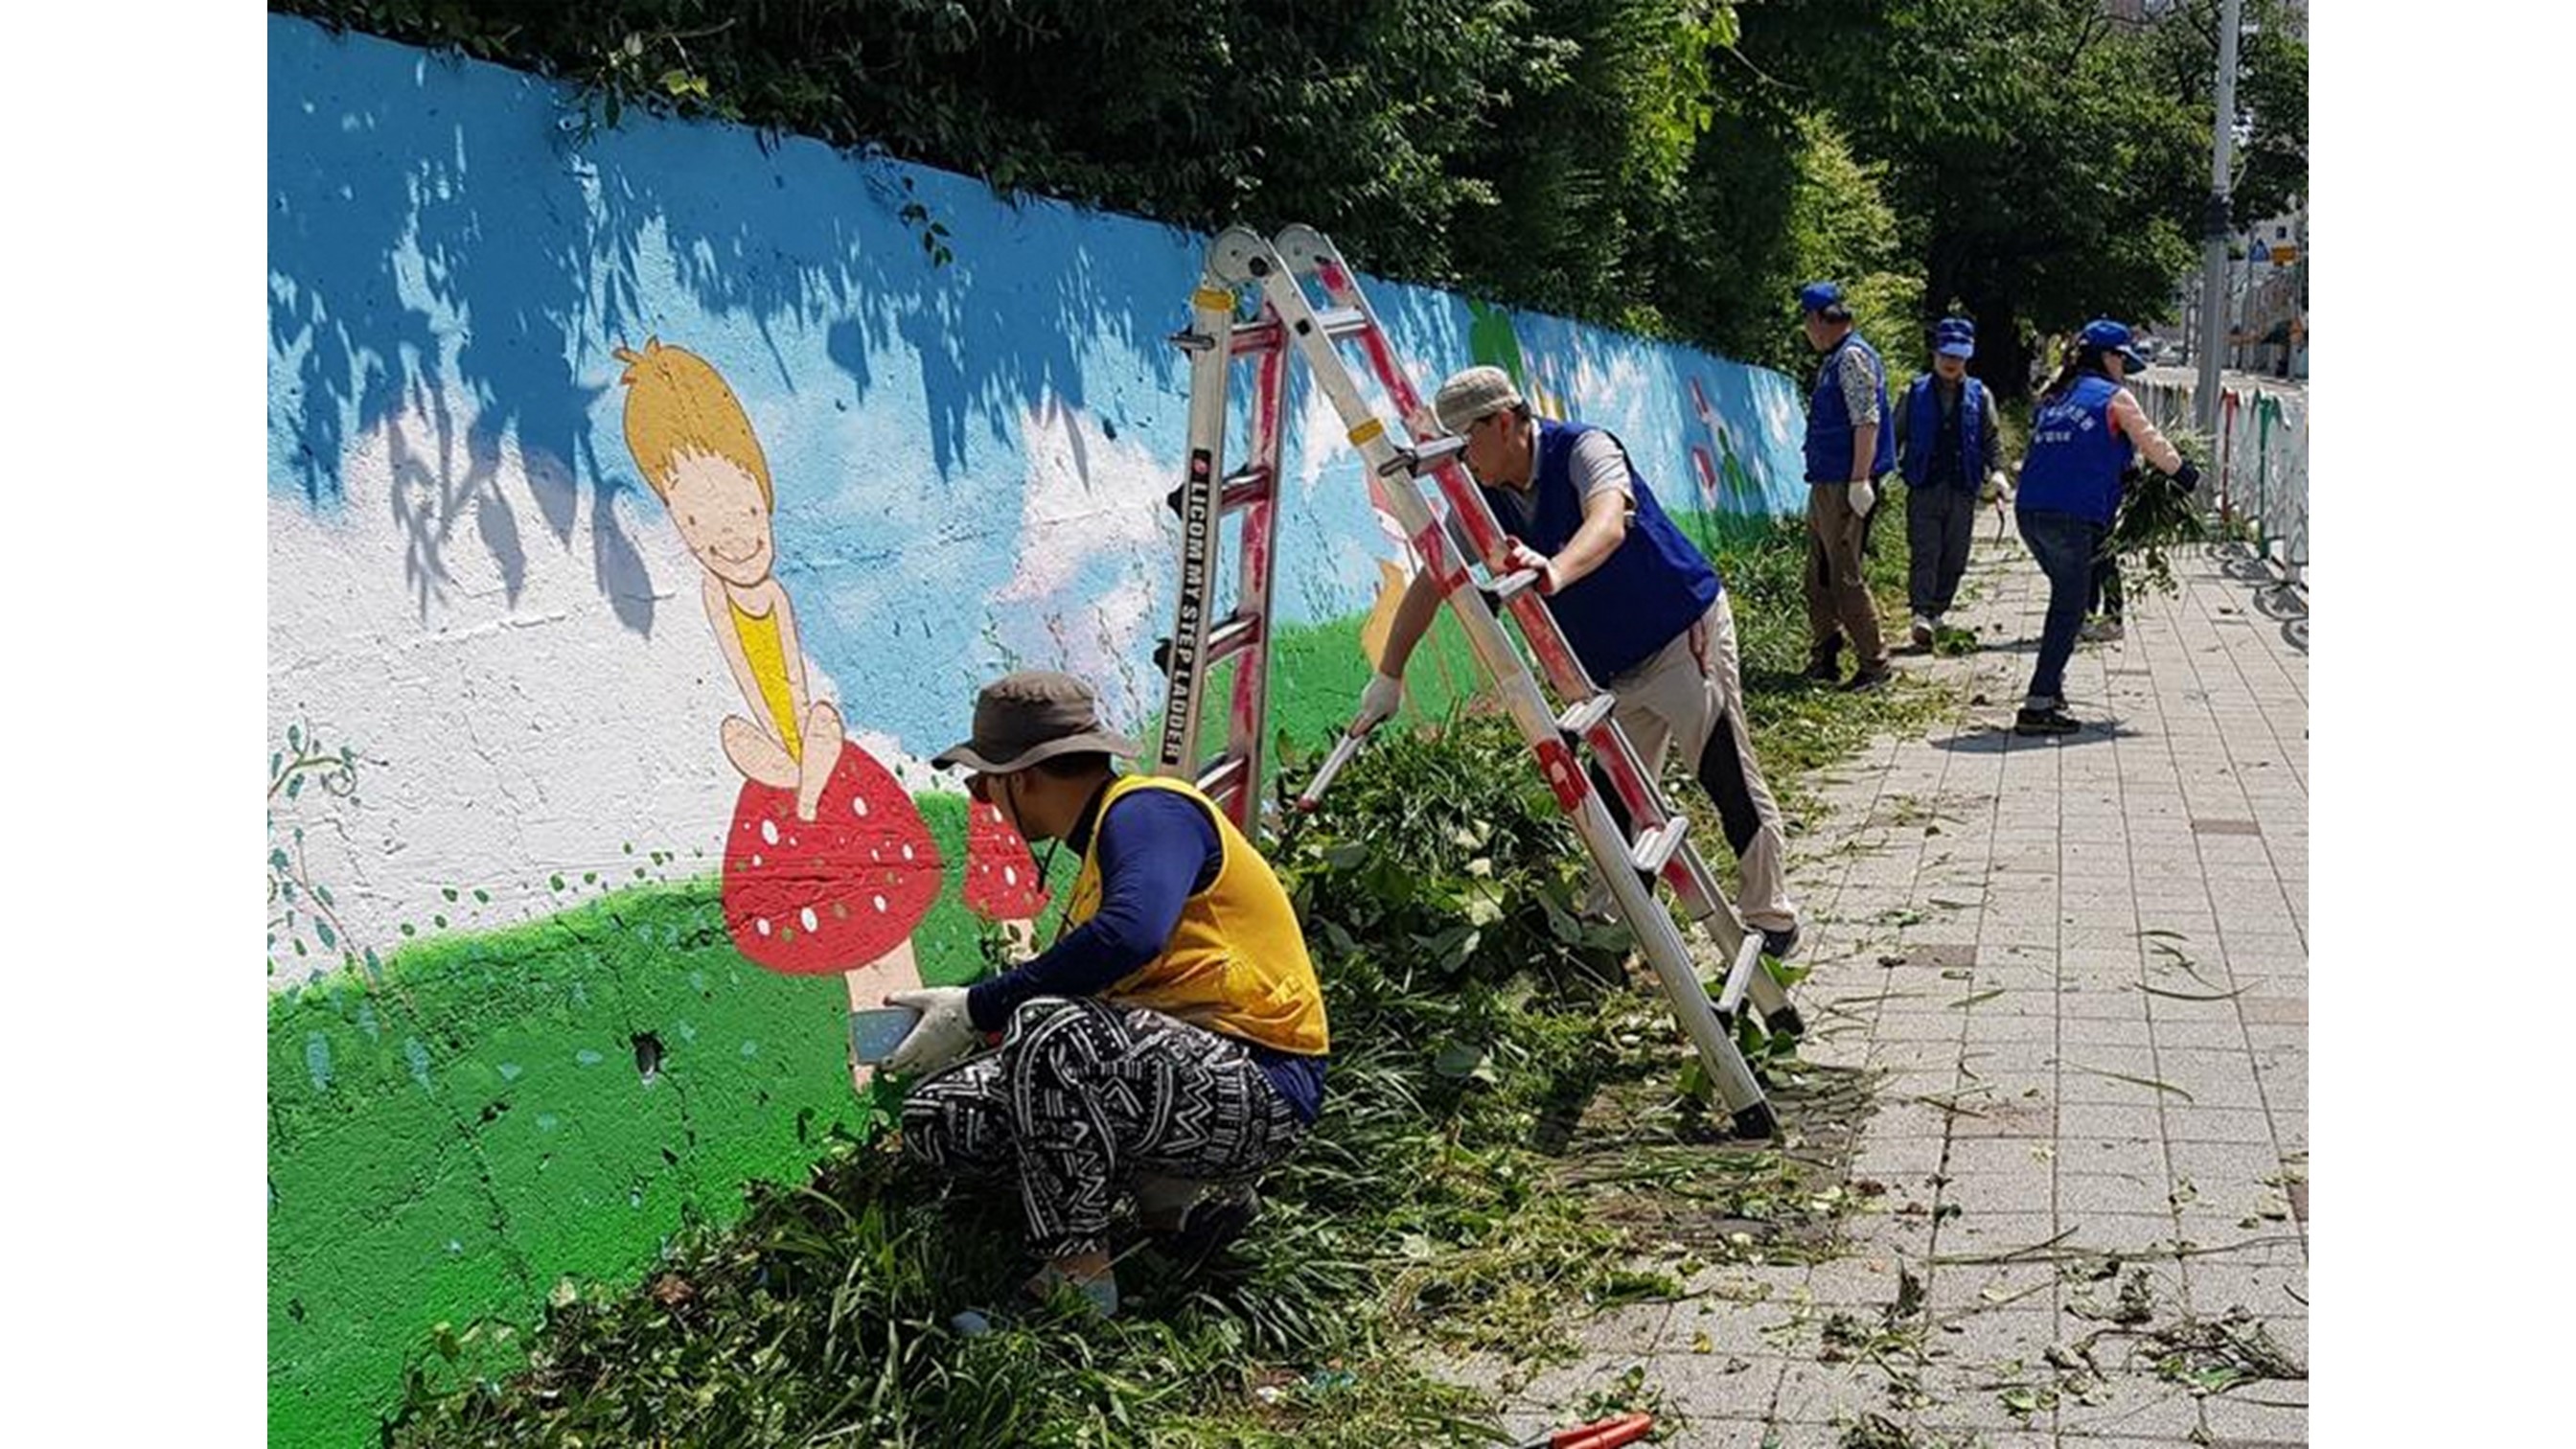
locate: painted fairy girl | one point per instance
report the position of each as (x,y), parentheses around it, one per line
(828,867)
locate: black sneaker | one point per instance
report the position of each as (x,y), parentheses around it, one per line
(2044,722)
(1825,671)
(1867,680)
(1778,944)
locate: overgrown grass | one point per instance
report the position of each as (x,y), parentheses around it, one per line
(1502,1146)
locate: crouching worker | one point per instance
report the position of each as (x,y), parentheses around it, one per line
(1171,1041)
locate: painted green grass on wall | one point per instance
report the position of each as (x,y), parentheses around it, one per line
(591,1081)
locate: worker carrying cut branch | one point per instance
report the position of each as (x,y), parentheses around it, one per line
(2087,428)
(1172,1039)
(1641,608)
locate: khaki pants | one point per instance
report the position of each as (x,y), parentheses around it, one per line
(1838,601)
(1690,694)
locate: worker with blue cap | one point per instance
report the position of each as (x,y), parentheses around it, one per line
(1849,448)
(1946,437)
(2086,430)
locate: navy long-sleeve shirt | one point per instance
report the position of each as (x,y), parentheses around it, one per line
(1157,849)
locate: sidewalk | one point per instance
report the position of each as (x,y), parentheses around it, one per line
(2082,965)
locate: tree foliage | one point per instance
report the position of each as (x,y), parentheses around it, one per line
(1672,166)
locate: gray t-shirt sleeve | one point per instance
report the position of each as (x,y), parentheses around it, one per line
(1599,465)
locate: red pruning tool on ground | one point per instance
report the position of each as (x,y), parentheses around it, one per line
(1604,1434)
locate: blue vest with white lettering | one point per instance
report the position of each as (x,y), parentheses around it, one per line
(1923,429)
(2076,457)
(1653,586)
(1829,420)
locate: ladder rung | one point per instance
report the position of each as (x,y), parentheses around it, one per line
(1580,720)
(1510,584)
(1189,341)
(1238,633)
(1341,322)
(1262,336)
(1423,457)
(1654,849)
(1222,778)
(1739,977)
(1247,484)
(1266,334)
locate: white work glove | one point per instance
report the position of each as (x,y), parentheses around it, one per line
(1864,496)
(943,1035)
(1378,703)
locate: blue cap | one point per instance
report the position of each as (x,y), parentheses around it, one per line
(1817,296)
(2104,335)
(1955,337)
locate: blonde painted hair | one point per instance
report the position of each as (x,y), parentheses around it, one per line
(677,405)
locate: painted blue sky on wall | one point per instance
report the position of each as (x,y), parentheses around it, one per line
(968,457)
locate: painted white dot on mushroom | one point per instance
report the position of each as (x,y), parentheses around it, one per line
(761,925)
(807,916)
(880,905)
(859,806)
(1010,875)
(769,831)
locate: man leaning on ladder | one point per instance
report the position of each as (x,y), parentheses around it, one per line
(1641,608)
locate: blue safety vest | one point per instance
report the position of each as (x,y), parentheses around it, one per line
(2076,457)
(1829,421)
(1923,429)
(1653,586)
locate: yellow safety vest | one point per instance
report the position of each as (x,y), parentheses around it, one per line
(1237,961)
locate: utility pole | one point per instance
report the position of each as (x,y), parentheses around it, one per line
(2215,227)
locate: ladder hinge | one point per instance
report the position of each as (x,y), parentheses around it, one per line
(1423,457)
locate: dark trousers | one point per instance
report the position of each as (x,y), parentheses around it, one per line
(1939,521)
(1084,1094)
(2105,600)
(2065,546)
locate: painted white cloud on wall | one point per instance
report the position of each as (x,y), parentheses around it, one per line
(1085,592)
(1615,393)
(516,717)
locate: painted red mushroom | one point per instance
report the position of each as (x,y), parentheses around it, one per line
(824,896)
(1002,879)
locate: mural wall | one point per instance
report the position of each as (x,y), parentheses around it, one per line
(645,506)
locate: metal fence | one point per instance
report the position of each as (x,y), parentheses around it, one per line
(2260,475)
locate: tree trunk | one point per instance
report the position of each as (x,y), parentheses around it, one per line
(2003,359)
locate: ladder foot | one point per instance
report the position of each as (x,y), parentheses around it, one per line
(1786,1022)
(1756,1124)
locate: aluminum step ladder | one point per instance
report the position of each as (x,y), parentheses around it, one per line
(1559,735)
